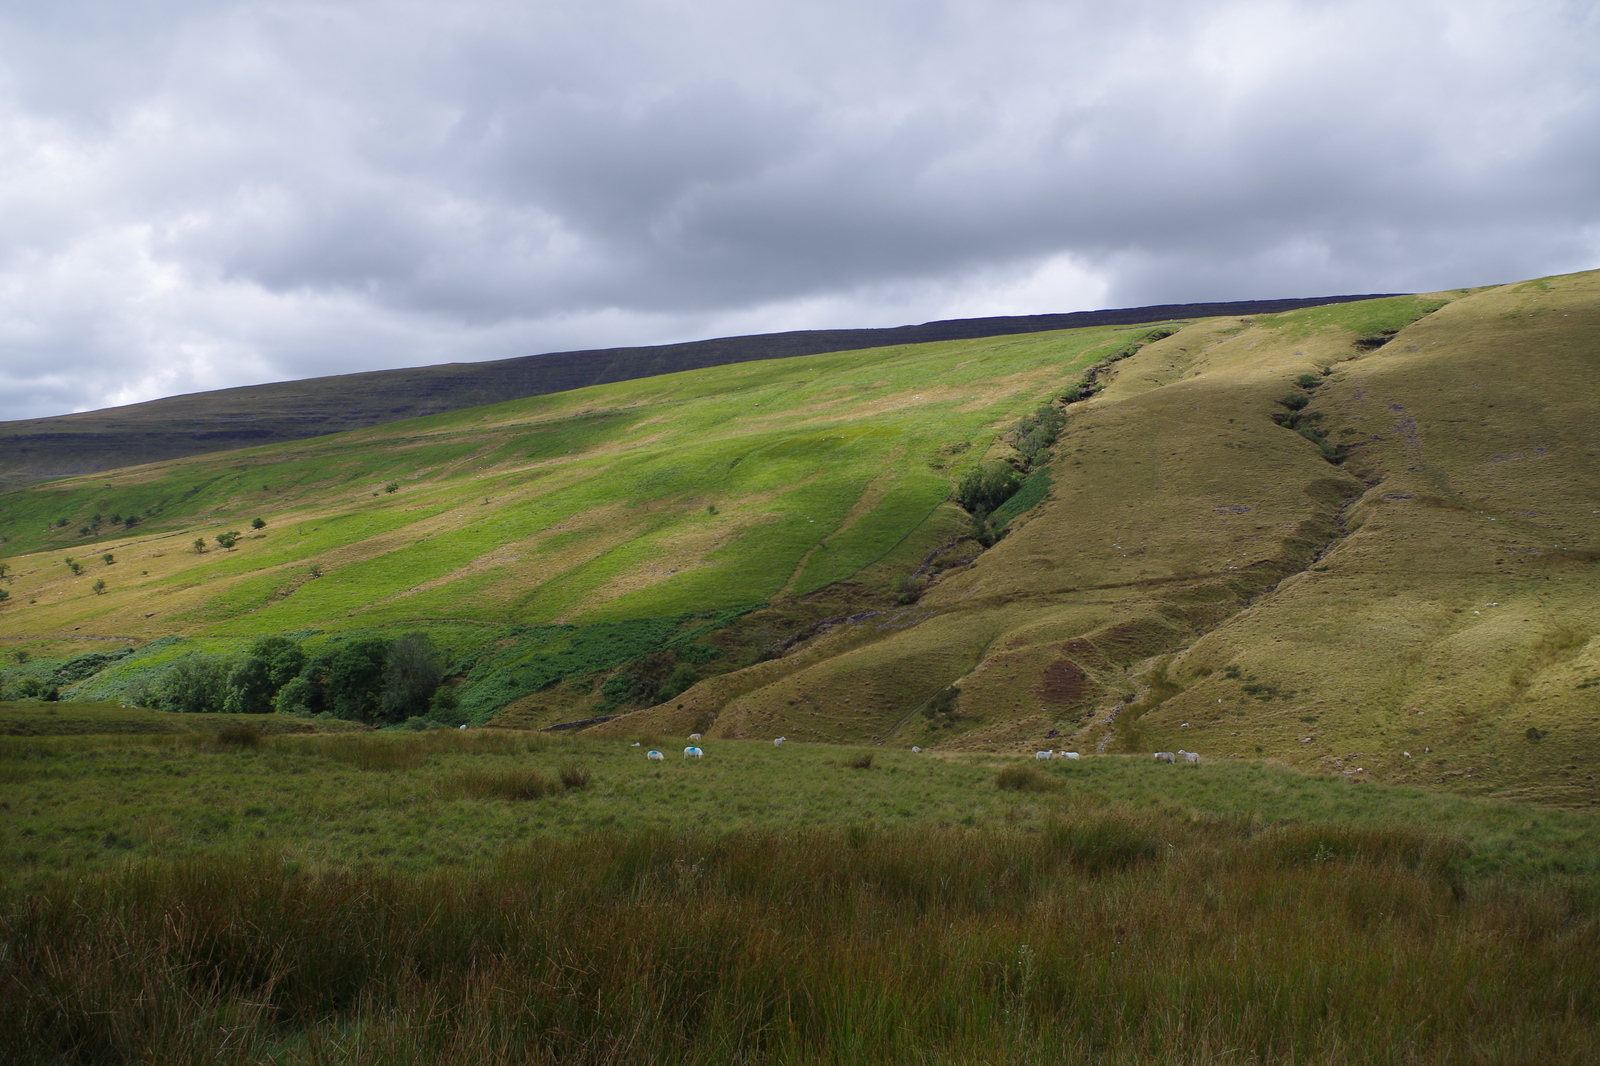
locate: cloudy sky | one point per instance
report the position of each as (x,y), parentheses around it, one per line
(196,193)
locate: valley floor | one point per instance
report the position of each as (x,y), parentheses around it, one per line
(496,896)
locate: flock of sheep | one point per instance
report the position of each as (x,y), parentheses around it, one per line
(1191,757)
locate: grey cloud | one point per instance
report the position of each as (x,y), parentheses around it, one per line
(206,194)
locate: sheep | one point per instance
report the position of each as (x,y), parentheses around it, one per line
(692,752)
(777,742)
(915,750)
(694,736)
(1165,756)
(1191,757)
(1067,755)
(654,756)
(1043,756)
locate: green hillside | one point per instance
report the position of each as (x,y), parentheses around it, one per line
(534,540)
(1358,539)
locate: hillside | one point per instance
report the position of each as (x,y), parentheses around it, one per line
(90,442)
(1423,609)
(1357,539)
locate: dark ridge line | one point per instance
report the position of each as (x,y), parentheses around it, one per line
(246,416)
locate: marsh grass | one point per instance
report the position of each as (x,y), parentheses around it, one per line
(521,784)
(1111,936)
(1020,777)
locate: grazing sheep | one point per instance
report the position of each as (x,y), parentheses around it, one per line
(654,756)
(1067,755)
(692,752)
(1044,756)
(694,736)
(777,742)
(1192,757)
(915,750)
(1165,756)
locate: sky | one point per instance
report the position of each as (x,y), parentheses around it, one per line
(197,194)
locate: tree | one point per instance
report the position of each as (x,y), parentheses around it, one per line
(195,684)
(108,558)
(301,695)
(75,566)
(4,595)
(99,585)
(258,523)
(228,540)
(355,679)
(5,568)
(250,688)
(411,676)
(199,545)
(284,658)
(393,486)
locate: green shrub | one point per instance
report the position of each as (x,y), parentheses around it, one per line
(986,486)
(1295,401)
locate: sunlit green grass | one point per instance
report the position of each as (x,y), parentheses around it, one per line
(793,473)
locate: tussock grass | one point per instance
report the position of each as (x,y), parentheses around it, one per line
(523,784)
(1114,938)
(1020,777)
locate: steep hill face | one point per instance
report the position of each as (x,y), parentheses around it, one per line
(227,419)
(1361,540)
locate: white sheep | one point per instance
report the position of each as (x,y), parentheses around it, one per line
(1044,756)
(692,752)
(694,736)
(654,756)
(1192,757)
(1165,756)
(1067,755)
(777,742)
(915,750)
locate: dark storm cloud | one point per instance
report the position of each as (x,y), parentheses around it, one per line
(198,195)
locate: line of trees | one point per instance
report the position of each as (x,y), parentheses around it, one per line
(377,681)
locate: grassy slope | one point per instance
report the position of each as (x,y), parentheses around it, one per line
(592,505)
(1188,539)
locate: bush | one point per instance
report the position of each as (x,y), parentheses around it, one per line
(679,681)
(986,486)
(1295,401)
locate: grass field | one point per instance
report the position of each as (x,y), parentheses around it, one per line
(491,896)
